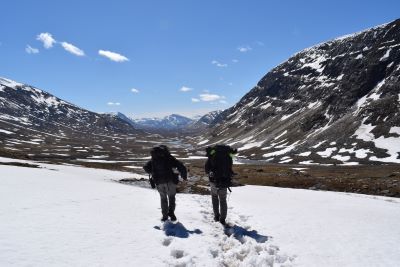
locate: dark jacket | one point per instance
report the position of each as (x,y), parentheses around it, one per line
(162,170)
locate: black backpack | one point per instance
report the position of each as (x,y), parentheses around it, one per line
(220,164)
(162,164)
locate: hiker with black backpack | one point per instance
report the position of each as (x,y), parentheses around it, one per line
(219,169)
(161,168)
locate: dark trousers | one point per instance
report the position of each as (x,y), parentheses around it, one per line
(218,197)
(167,195)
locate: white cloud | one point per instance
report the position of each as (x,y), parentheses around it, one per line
(260,43)
(244,49)
(223,102)
(31,50)
(195,100)
(47,39)
(235,60)
(113,56)
(73,49)
(210,97)
(134,90)
(113,103)
(185,89)
(219,64)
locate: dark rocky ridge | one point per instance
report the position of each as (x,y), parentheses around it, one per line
(336,102)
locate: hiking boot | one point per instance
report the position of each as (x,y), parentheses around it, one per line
(164,218)
(222,221)
(216,218)
(173,217)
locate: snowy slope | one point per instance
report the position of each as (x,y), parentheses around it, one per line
(336,102)
(72,216)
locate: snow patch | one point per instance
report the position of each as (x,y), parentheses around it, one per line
(251,145)
(282,134)
(390,144)
(341,158)
(5,131)
(327,153)
(395,130)
(386,55)
(203,142)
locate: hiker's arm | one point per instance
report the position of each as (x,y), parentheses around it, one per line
(147,168)
(181,168)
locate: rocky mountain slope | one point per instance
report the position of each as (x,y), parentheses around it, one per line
(38,125)
(204,121)
(335,103)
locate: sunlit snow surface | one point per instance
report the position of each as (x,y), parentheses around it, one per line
(74,216)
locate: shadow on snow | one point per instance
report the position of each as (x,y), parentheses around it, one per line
(177,230)
(239,233)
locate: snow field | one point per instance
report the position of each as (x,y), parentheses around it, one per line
(74,216)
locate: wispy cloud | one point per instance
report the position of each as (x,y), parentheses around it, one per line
(223,102)
(31,50)
(113,56)
(134,90)
(72,49)
(113,103)
(47,39)
(219,64)
(195,100)
(185,89)
(244,49)
(210,97)
(235,60)
(260,43)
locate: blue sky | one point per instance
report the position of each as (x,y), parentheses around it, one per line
(185,57)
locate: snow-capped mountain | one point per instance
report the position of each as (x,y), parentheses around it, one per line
(201,123)
(37,124)
(171,122)
(337,102)
(29,106)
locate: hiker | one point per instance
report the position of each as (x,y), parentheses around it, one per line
(161,168)
(219,169)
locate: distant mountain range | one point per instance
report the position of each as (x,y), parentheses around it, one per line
(172,122)
(335,103)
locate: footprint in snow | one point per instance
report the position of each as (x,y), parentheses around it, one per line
(167,241)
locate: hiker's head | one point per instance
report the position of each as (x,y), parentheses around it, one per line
(159,151)
(164,147)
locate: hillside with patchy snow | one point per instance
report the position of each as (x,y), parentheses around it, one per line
(57,215)
(335,103)
(38,125)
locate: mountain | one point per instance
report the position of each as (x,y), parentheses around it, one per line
(36,124)
(336,103)
(201,123)
(171,122)
(123,117)
(29,106)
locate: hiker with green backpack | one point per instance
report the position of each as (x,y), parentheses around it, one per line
(219,169)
